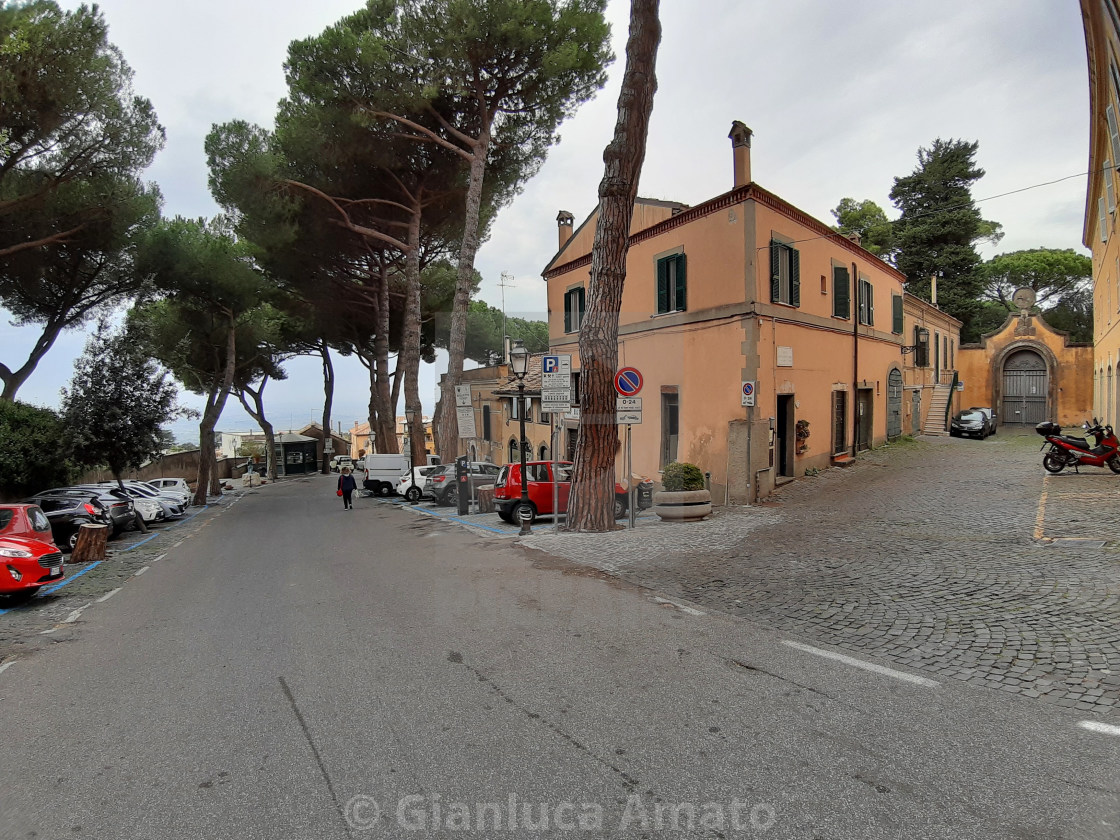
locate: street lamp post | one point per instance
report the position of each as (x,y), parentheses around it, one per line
(409,416)
(519,362)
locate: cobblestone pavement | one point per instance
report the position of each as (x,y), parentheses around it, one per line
(959,558)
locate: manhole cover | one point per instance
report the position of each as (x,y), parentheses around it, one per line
(1077,542)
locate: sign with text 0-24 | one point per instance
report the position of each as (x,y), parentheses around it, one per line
(748,393)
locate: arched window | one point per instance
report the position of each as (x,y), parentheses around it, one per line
(544,452)
(514,455)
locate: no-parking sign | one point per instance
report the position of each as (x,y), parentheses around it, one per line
(748,393)
(628,382)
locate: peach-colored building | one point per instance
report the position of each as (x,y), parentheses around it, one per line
(929,367)
(744,289)
(496,418)
(1102,41)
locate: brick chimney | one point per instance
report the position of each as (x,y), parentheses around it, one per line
(741,148)
(564,221)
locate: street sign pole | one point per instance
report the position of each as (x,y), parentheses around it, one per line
(557,422)
(630,495)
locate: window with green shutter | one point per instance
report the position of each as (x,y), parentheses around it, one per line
(785,273)
(672,284)
(574,309)
(841,292)
(896,314)
(866,303)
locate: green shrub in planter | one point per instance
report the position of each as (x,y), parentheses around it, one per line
(682,476)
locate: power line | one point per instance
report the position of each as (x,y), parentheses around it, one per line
(967,206)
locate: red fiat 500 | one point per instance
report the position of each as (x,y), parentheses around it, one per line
(28,556)
(507,490)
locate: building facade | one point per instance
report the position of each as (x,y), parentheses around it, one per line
(496,410)
(929,367)
(745,292)
(1101,19)
(1028,372)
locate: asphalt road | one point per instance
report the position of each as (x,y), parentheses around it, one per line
(293,670)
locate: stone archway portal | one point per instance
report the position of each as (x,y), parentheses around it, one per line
(1026,388)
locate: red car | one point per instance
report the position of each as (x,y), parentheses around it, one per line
(507,490)
(28,556)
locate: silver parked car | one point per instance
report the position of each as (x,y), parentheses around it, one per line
(441,486)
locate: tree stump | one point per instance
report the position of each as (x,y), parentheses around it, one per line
(486,499)
(91,544)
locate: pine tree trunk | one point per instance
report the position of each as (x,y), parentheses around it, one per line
(385,430)
(328,401)
(448,432)
(591,505)
(14,379)
(409,356)
(256,411)
(90,547)
(207,456)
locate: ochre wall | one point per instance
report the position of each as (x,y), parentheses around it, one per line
(1071,382)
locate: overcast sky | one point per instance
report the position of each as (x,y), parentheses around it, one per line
(840,96)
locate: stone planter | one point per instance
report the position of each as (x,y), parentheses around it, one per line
(682,505)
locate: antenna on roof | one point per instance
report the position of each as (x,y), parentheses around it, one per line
(507,280)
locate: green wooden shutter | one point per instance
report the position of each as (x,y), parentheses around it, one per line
(775,268)
(841,293)
(581,305)
(568,303)
(896,314)
(870,305)
(662,286)
(794,277)
(680,293)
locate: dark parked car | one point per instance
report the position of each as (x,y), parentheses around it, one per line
(67,514)
(971,422)
(119,509)
(990,414)
(440,483)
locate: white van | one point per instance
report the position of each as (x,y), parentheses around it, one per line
(383,471)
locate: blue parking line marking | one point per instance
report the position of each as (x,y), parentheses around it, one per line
(93,566)
(168,528)
(57,586)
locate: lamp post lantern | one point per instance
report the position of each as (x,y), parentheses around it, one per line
(413,496)
(519,362)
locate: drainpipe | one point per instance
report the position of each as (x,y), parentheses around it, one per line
(855,362)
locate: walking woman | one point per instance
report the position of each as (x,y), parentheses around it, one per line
(346,488)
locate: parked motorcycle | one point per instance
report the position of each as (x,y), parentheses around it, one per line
(1068,451)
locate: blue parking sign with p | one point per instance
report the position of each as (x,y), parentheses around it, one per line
(551,364)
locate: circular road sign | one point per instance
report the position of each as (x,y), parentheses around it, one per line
(748,389)
(628,381)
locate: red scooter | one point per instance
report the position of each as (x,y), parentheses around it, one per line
(1068,451)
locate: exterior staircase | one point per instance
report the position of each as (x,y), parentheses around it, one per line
(936,422)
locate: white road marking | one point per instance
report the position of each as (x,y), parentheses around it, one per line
(159,558)
(141,571)
(680,607)
(74,616)
(7,665)
(1091,725)
(108,595)
(177,544)
(867,666)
